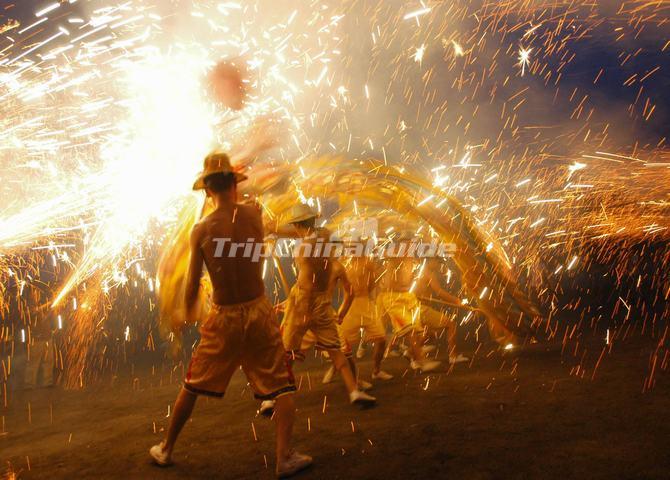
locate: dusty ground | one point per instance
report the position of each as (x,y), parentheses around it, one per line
(521,415)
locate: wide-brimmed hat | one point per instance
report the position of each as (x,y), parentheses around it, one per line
(217,162)
(301,212)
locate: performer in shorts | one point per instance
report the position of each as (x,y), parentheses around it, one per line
(241,329)
(309,306)
(397,303)
(430,292)
(361,322)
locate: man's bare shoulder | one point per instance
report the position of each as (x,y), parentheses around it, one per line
(323,233)
(199,228)
(248,211)
(337,268)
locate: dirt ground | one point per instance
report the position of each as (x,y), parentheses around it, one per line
(523,414)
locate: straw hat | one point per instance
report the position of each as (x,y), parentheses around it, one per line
(301,212)
(217,162)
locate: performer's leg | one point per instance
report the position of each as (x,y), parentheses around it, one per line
(451,337)
(378,354)
(341,365)
(289,461)
(352,365)
(284,415)
(183,407)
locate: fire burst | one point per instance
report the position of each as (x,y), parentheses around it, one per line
(524,59)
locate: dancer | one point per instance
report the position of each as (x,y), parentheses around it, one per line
(427,287)
(362,318)
(240,329)
(397,303)
(309,305)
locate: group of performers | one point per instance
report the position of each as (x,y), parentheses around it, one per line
(395,295)
(392,298)
(241,328)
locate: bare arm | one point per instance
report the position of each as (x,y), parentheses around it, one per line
(348,293)
(262,136)
(444,295)
(193,276)
(381,277)
(372,277)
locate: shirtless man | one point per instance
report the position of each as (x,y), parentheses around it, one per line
(399,304)
(240,329)
(428,287)
(362,316)
(309,305)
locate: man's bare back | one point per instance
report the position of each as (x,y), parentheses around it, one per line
(235,278)
(361,274)
(314,271)
(398,275)
(428,281)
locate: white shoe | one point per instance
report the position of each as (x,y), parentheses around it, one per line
(361,398)
(363,385)
(267,408)
(458,359)
(426,366)
(328,376)
(360,351)
(430,366)
(382,375)
(160,456)
(428,349)
(293,464)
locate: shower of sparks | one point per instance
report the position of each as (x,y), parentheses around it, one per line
(104,122)
(113,119)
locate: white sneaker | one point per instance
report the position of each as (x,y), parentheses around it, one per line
(430,366)
(458,359)
(160,456)
(360,351)
(328,376)
(361,398)
(426,366)
(382,375)
(363,385)
(293,464)
(267,408)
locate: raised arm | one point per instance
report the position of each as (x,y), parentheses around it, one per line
(262,136)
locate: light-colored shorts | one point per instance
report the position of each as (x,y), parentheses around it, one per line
(361,323)
(246,335)
(402,308)
(308,310)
